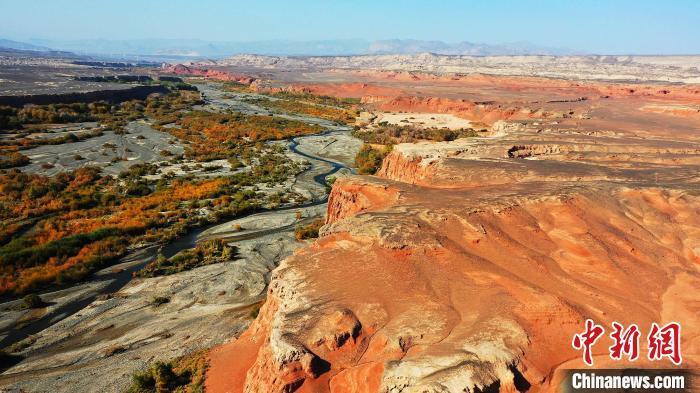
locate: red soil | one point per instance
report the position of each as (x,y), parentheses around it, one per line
(462,265)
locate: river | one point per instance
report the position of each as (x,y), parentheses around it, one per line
(114,278)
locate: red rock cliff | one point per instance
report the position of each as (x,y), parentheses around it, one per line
(471,264)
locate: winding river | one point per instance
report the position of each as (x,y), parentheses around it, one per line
(114,278)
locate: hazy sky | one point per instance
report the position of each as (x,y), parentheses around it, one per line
(621,26)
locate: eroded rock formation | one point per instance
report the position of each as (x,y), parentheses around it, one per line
(215,74)
(469,265)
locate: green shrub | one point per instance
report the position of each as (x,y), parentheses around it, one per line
(368,159)
(205,253)
(32,301)
(184,374)
(329,183)
(386,134)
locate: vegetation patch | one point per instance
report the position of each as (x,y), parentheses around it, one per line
(12,159)
(33,119)
(299,105)
(308,231)
(183,375)
(206,253)
(346,103)
(388,134)
(210,136)
(368,159)
(236,87)
(56,230)
(17,118)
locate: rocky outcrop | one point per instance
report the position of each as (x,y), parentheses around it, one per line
(420,283)
(485,112)
(525,151)
(357,196)
(425,296)
(402,168)
(215,74)
(469,265)
(622,68)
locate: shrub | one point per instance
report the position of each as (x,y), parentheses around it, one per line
(20,346)
(32,301)
(368,159)
(183,374)
(158,378)
(308,231)
(159,300)
(13,159)
(329,183)
(205,253)
(137,188)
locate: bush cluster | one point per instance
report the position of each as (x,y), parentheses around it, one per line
(308,231)
(386,134)
(206,253)
(368,159)
(13,159)
(185,374)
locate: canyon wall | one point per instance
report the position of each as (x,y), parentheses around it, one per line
(622,68)
(215,74)
(469,265)
(447,273)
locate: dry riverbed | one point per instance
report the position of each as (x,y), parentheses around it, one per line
(99,347)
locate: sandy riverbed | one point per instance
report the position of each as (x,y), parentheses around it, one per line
(99,347)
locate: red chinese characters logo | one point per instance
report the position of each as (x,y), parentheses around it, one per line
(625,342)
(587,339)
(663,342)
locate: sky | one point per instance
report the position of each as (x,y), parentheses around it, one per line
(601,27)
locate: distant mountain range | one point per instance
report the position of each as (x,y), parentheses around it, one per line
(198,49)
(24,49)
(408,47)
(9,44)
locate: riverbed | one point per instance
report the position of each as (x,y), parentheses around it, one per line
(94,335)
